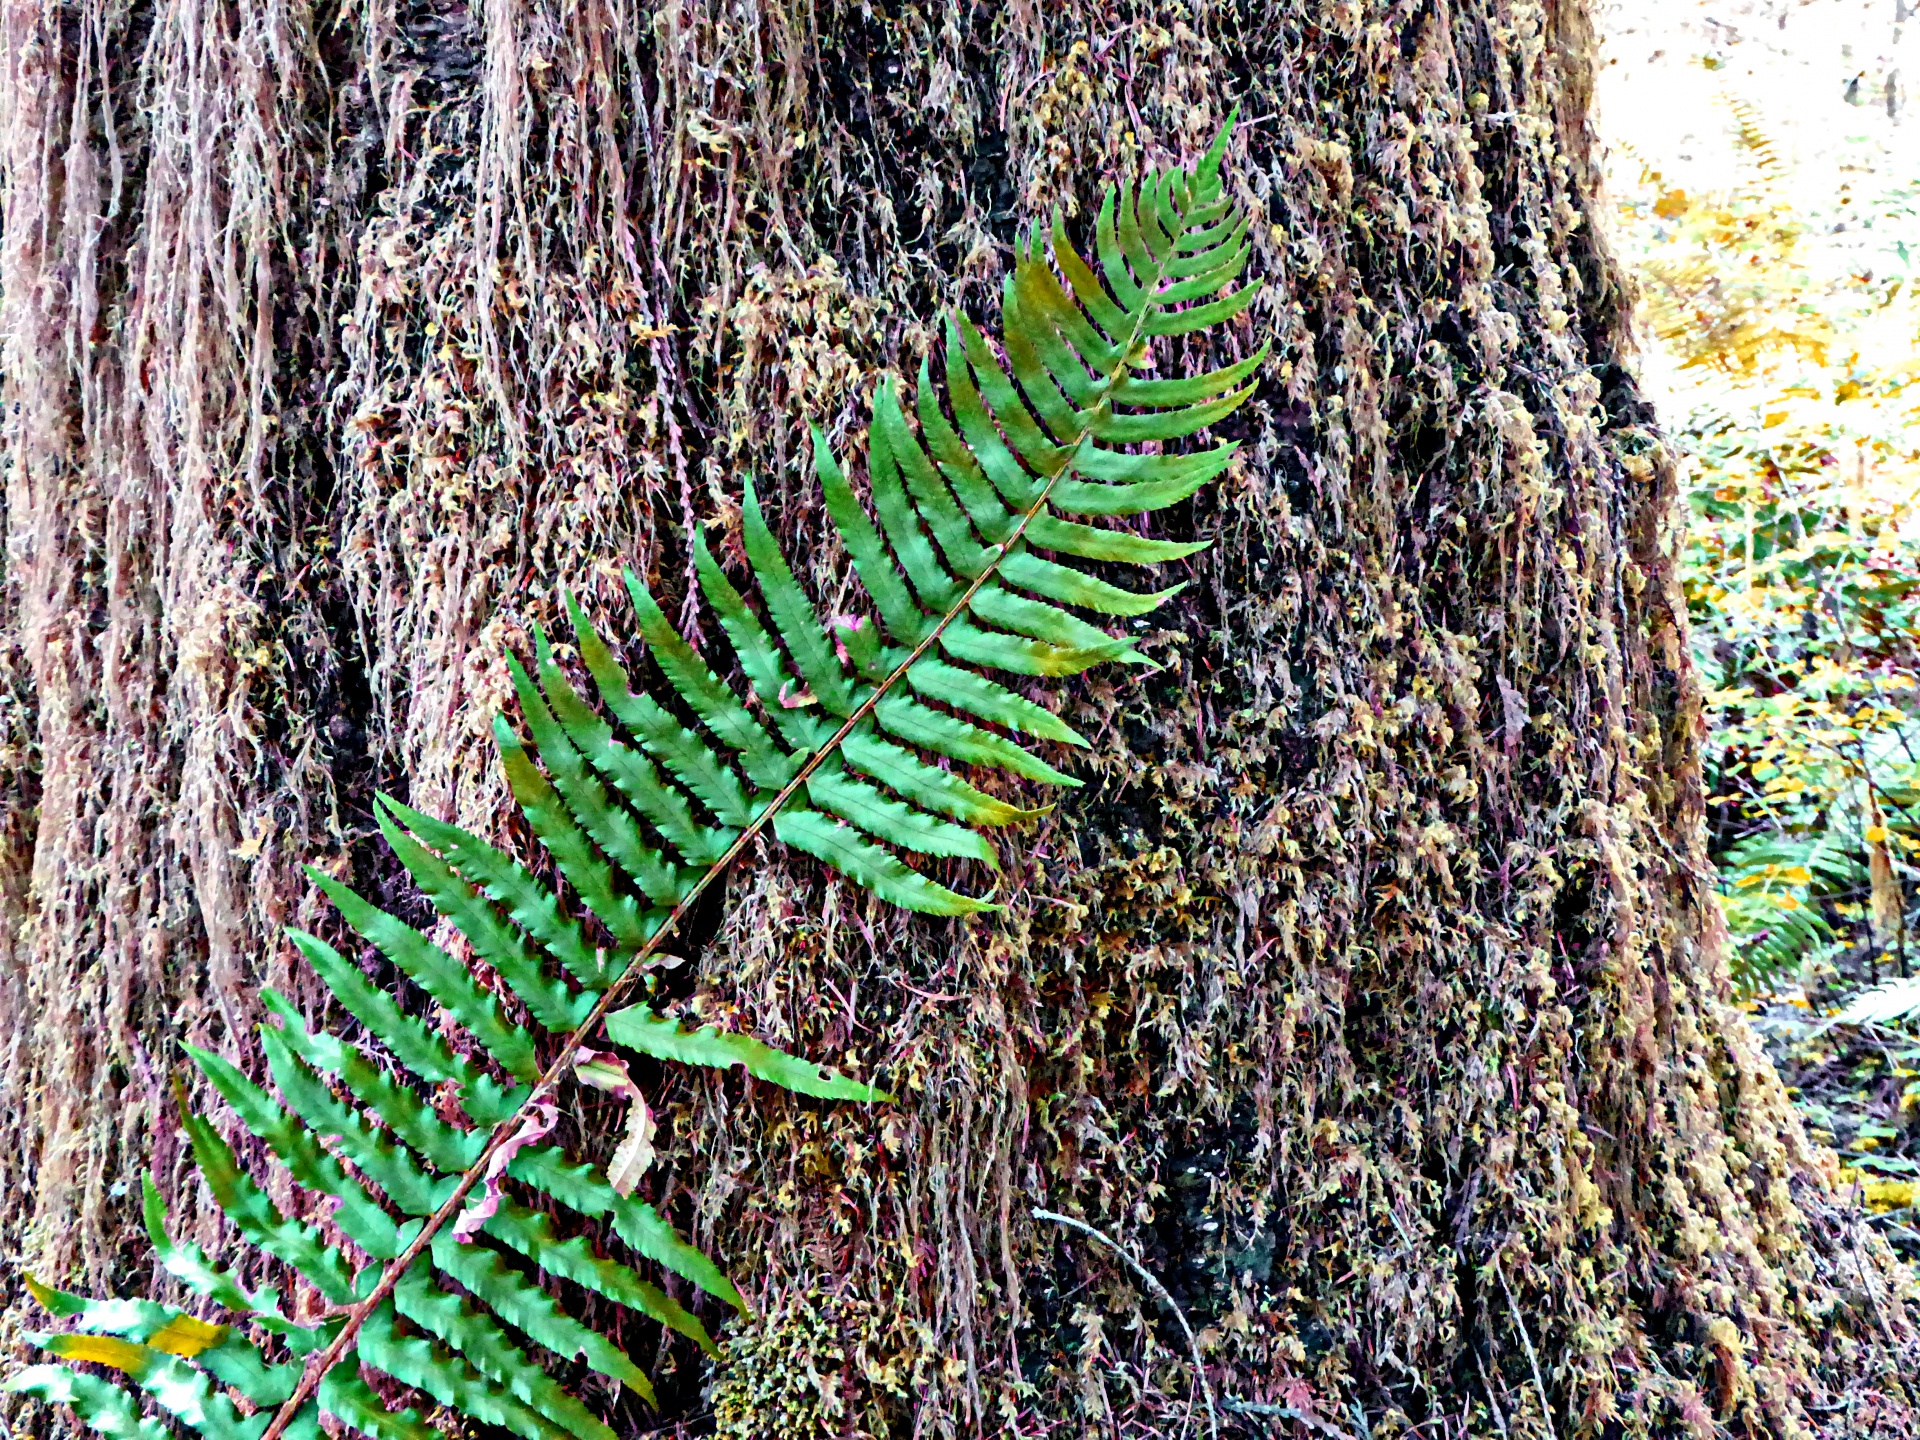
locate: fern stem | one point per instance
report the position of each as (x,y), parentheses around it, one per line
(321,1363)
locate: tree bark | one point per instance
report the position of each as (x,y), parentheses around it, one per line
(1371,993)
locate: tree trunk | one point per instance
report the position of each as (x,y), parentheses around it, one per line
(1371,993)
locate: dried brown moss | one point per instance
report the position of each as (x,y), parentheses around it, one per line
(1370,989)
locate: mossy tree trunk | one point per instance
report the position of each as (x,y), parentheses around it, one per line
(1371,990)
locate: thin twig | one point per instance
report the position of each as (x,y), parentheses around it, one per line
(1486,1383)
(1546,1409)
(1282,1412)
(1866,1285)
(1193,1342)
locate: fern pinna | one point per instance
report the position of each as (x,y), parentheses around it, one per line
(429,1272)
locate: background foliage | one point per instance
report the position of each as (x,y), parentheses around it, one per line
(1782,319)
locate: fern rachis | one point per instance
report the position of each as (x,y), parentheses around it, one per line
(834,748)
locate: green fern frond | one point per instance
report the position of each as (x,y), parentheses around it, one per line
(1771,887)
(848,737)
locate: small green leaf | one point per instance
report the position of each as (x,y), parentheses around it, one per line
(1066,537)
(1047,369)
(1056,312)
(928,786)
(448,1378)
(878,574)
(1113,265)
(421,1050)
(967,350)
(477,1336)
(1133,237)
(866,808)
(103,1407)
(373,1152)
(1153,481)
(648,1232)
(1201,260)
(717,706)
(1202,317)
(759,656)
(397,1106)
(869,865)
(638,1028)
(980,466)
(1167,424)
(900,519)
(495,941)
(349,1399)
(358,1215)
(584,1189)
(686,756)
(1207,174)
(1188,390)
(1208,228)
(792,613)
(935,730)
(566,806)
(977,695)
(1048,623)
(632,774)
(1058,582)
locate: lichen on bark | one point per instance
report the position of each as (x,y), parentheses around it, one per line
(1372,989)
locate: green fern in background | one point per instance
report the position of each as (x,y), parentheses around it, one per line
(1771,888)
(835,746)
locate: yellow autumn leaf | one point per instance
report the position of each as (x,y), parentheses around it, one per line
(1671,204)
(109,1350)
(184,1335)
